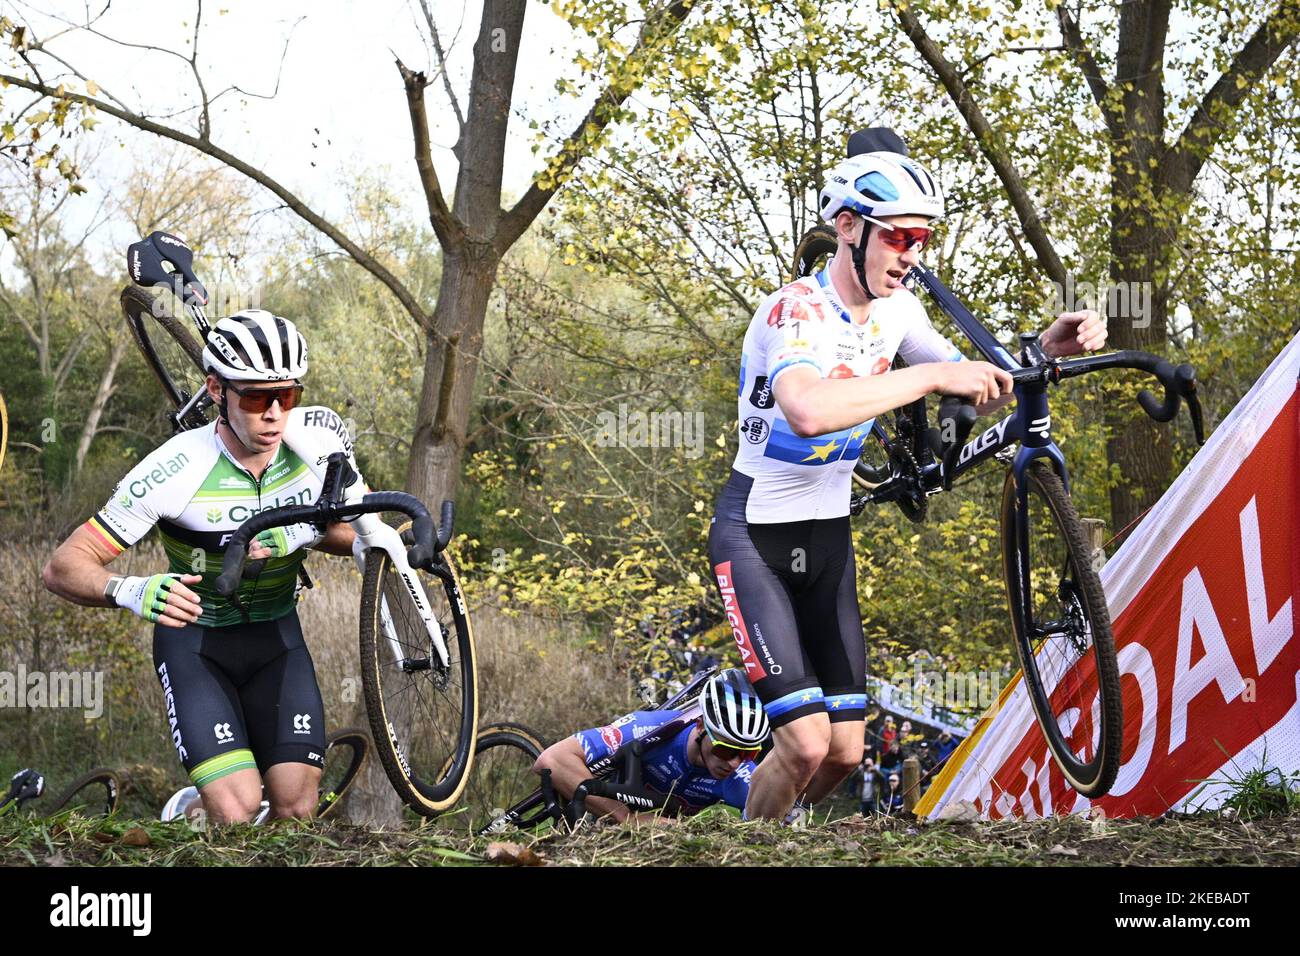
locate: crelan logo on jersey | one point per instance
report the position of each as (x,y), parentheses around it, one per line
(215,515)
(637,429)
(124,500)
(159,474)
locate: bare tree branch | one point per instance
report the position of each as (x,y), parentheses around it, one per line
(299,207)
(446,77)
(988,143)
(1184,159)
(655,32)
(279,73)
(450,232)
(1072,36)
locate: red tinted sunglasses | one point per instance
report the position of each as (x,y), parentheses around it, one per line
(258,400)
(900,238)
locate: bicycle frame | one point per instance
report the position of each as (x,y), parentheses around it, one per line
(1030,423)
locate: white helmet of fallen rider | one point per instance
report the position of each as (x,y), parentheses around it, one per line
(881,184)
(732,712)
(255,346)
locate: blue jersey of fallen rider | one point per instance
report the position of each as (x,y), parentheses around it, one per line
(666,768)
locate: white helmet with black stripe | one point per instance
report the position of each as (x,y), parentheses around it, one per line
(732,712)
(255,346)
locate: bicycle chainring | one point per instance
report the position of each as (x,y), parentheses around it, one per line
(912,499)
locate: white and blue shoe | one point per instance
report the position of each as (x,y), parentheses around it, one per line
(180,801)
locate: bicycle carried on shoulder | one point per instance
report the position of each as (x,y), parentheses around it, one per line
(417,643)
(1060,622)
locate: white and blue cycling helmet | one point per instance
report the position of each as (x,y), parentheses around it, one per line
(880,184)
(732,712)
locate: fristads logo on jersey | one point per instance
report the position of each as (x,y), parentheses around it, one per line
(324,418)
(785,445)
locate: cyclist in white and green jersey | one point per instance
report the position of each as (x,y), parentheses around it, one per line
(242,703)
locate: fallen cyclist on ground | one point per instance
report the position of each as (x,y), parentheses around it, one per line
(708,762)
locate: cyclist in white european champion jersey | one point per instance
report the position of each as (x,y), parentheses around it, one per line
(815,371)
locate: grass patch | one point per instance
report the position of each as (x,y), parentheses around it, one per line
(717,839)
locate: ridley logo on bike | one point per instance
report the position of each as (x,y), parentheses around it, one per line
(991,437)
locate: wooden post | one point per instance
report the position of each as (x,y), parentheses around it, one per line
(1095,529)
(911,784)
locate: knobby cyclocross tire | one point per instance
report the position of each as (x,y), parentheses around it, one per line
(95,792)
(502,774)
(170,349)
(345,754)
(1059,662)
(423,717)
(817,243)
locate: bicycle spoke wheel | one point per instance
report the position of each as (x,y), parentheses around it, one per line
(169,348)
(816,246)
(502,774)
(345,754)
(423,713)
(1062,630)
(94,793)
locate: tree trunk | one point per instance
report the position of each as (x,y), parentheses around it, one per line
(1141,238)
(102,395)
(449,370)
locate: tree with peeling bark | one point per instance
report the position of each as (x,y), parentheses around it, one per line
(1124,55)
(473,229)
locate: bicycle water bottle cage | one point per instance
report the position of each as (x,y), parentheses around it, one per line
(159,260)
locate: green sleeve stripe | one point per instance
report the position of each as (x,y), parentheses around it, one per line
(219,766)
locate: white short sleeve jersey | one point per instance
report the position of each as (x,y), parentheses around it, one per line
(806,324)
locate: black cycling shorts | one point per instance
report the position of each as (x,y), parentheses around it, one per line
(790,595)
(240,697)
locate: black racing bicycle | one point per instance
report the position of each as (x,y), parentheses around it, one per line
(91,794)
(346,750)
(417,643)
(1059,619)
(501,775)
(617,776)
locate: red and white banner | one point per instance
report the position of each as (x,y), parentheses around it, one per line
(1204,601)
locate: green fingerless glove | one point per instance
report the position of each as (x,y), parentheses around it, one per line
(146,597)
(285,541)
